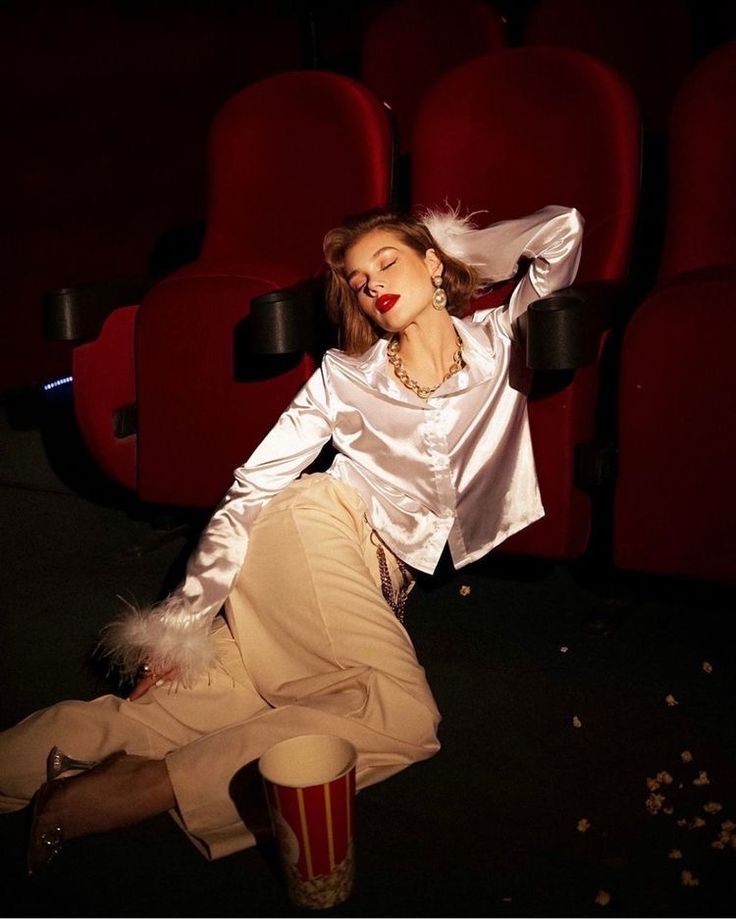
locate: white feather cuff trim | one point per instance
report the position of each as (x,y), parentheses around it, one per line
(166,636)
(452,233)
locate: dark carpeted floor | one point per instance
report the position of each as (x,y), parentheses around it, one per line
(538,803)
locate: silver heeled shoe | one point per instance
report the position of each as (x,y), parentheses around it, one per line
(57,763)
(47,836)
(44,842)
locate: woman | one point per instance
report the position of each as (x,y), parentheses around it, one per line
(432,449)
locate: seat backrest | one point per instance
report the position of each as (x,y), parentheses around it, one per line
(411,43)
(675,498)
(513,131)
(521,129)
(700,227)
(648,43)
(289,157)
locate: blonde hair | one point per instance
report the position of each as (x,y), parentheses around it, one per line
(356,331)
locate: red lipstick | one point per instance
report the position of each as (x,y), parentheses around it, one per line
(385,302)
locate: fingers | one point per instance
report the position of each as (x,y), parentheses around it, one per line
(140,689)
(149,679)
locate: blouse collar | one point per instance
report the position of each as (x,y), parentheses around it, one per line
(478,352)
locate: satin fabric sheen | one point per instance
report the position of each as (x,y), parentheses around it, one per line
(457,468)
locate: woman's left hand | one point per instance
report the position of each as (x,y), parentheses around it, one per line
(151,678)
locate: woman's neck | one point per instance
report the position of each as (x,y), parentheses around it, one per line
(427,347)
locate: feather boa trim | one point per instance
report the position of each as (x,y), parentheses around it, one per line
(167,636)
(452,233)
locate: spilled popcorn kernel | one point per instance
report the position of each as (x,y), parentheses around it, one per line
(669,810)
(702,778)
(674,853)
(654,803)
(662,778)
(707,667)
(689,879)
(725,838)
(728,825)
(686,756)
(671,700)
(682,822)
(696,823)
(464,590)
(564,649)
(712,807)
(583,825)
(576,722)
(602,898)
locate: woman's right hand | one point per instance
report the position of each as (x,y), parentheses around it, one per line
(149,679)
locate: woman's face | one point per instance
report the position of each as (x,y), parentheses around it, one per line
(391,281)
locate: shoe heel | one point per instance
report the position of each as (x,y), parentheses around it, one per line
(47,834)
(58,762)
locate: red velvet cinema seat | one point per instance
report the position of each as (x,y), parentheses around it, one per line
(675,501)
(410,44)
(290,157)
(649,44)
(506,134)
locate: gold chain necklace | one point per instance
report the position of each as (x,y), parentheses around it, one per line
(424,392)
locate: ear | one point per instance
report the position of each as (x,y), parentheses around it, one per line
(433,263)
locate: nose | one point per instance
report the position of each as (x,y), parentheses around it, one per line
(372,288)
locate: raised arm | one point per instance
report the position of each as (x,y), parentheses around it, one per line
(550,238)
(554,247)
(172,637)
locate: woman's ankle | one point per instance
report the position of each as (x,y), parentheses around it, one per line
(121,791)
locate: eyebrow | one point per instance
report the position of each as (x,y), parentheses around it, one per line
(374,256)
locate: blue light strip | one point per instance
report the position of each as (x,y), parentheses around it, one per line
(55,384)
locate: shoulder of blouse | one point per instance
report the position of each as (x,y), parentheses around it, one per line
(337,356)
(479,316)
(336,359)
(489,327)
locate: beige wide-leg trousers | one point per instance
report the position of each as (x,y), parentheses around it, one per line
(307,644)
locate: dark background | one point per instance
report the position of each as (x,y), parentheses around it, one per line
(105,110)
(106,107)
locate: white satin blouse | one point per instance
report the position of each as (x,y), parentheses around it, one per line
(457,468)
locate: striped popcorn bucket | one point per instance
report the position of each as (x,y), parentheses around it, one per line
(310,787)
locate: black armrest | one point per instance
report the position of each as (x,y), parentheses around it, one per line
(78,313)
(284,321)
(563,330)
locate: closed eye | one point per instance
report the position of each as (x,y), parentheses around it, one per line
(358,287)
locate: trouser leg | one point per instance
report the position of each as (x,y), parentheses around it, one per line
(164,718)
(316,649)
(321,645)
